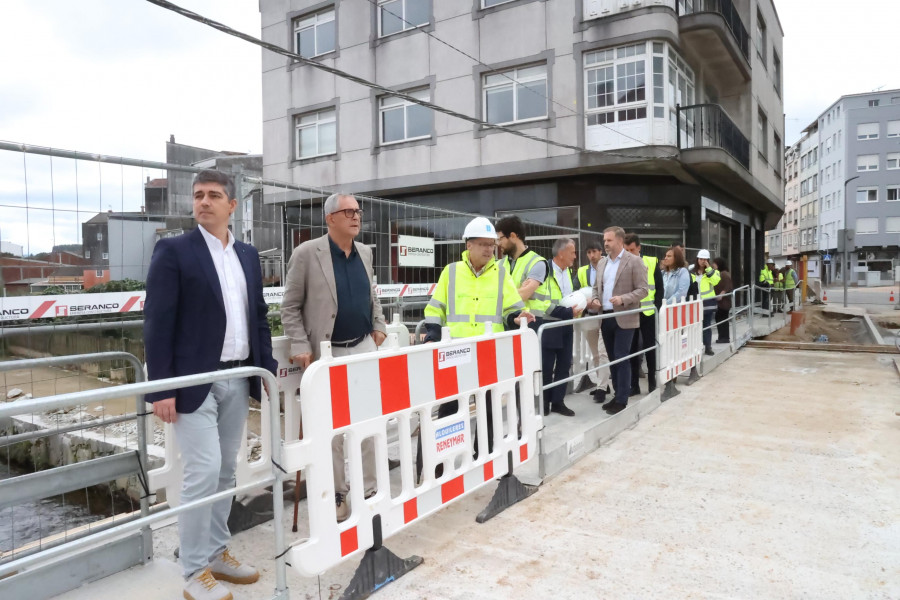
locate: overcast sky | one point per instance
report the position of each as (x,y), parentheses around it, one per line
(119,76)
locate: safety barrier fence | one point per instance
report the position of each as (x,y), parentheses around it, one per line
(15,576)
(376,392)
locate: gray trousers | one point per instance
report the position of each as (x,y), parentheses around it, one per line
(209,438)
(370,479)
(599,378)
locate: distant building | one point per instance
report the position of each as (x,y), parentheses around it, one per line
(10,248)
(22,276)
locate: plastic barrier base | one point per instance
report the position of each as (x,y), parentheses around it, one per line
(694,377)
(379,567)
(670,391)
(509,491)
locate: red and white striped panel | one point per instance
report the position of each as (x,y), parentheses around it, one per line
(680,338)
(370,392)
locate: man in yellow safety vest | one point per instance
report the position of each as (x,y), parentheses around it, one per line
(528,269)
(471,292)
(707,279)
(646,334)
(767,281)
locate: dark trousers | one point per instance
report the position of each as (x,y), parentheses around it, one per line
(645,337)
(708,316)
(765,295)
(556,362)
(449,408)
(722,324)
(618,345)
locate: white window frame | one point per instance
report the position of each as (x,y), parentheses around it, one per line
(864,131)
(893,129)
(313,21)
(98,272)
(888,228)
(513,80)
(322,118)
(105,256)
(613,59)
(484,3)
(99,236)
(401,105)
(761,38)
(864,162)
(868,197)
(892,161)
(887,194)
(87,253)
(402,13)
(866,219)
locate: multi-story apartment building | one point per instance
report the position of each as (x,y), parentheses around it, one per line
(782,241)
(809,192)
(674,106)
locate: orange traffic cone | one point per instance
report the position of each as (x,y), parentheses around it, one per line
(824,295)
(892,296)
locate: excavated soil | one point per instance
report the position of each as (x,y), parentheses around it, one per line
(840,329)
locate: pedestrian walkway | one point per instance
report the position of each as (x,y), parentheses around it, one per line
(728,490)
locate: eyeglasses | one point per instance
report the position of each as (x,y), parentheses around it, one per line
(350,212)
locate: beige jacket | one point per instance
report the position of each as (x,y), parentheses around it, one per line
(309,306)
(631,284)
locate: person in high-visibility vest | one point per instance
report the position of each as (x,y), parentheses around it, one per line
(599,379)
(707,278)
(528,269)
(556,343)
(777,289)
(790,284)
(767,282)
(646,334)
(473,291)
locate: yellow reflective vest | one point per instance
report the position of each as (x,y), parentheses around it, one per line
(555,292)
(648,301)
(539,302)
(765,276)
(706,282)
(464,302)
(583,275)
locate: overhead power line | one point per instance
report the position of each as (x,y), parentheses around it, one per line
(372,85)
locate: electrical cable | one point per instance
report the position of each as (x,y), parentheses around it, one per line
(369,84)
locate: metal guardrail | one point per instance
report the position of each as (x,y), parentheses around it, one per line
(709,126)
(725,9)
(74,398)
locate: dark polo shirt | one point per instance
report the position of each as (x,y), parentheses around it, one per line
(354,296)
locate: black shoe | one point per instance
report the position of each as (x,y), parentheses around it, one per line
(546,408)
(615,408)
(584,385)
(561,408)
(599,396)
(608,405)
(635,391)
(709,351)
(723,341)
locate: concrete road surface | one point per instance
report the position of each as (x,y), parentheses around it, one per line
(775,476)
(872,298)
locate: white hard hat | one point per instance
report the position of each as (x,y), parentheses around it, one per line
(788,263)
(771,261)
(574,300)
(703,254)
(480,227)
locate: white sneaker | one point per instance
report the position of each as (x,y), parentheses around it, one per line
(225,567)
(203,586)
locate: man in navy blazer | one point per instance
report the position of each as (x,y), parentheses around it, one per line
(204,312)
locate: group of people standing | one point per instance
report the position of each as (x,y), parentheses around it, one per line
(205,311)
(780,284)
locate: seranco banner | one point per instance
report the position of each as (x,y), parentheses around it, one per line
(415,251)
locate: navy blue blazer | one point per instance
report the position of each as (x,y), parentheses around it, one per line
(184,316)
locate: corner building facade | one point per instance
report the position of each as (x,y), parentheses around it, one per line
(678,100)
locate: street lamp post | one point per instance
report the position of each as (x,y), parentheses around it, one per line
(827,248)
(846,253)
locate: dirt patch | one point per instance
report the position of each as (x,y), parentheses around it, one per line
(839,329)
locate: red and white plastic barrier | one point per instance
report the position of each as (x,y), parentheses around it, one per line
(679,332)
(361,396)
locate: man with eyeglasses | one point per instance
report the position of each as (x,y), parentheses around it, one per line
(329,296)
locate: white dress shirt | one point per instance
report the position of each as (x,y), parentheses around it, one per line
(234,294)
(564,284)
(609,279)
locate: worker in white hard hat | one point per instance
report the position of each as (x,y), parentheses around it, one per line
(767,282)
(707,278)
(473,291)
(790,284)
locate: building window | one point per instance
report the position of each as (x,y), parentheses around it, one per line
(893,160)
(316,134)
(516,95)
(893,193)
(867,162)
(105,256)
(401,121)
(779,149)
(866,225)
(490,3)
(99,236)
(776,72)
(761,38)
(314,35)
(892,225)
(867,131)
(395,16)
(763,141)
(893,129)
(864,195)
(98,273)
(874,102)
(87,253)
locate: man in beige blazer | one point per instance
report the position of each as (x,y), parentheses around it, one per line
(620,285)
(330,296)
